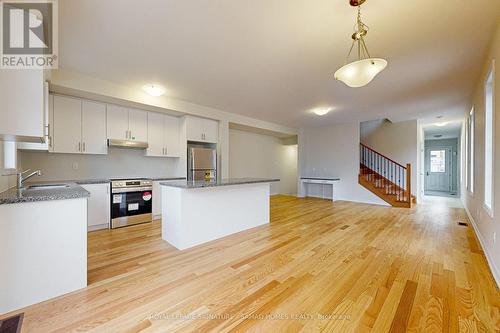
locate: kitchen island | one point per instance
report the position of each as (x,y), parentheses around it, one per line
(196,212)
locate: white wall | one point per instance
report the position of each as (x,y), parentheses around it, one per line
(257,155)
(119,163)
(398,141)
(486,226)
(333,151)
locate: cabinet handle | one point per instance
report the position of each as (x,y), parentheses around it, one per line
(84,146)
(79,146)
(166,151)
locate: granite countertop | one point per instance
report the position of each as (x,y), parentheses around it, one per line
(70,191)
(223,182)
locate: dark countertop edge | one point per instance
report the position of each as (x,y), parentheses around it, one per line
(229,182)
(75,191)
(101,180)
(319,178)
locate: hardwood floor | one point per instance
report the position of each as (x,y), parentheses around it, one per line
(318,266)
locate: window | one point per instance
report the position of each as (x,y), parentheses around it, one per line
(488,142)
(438,161)
(467,142)
(472,140)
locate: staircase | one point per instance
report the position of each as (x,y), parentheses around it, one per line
(385,178)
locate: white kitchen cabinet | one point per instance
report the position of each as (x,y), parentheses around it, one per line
(172,139)
(117,122)
(127,124)
(94,128)
(78,126)
(163,135)
(67,126)
(211,130)
(156,136)
(138,125)
(22,105)
(202,130)
(98,206)
(49,120)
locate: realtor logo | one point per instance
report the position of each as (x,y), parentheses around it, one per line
(28,34)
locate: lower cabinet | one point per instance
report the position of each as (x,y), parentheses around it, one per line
(98,206)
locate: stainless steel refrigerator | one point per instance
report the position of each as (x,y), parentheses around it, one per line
(202,163)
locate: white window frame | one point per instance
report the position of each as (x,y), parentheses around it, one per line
(467,143)
(472,150)
(489,162)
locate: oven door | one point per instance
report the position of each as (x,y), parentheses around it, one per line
(133,207)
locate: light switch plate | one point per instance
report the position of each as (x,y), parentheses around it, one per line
(75,166)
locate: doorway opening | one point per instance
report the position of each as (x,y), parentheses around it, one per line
(442,160)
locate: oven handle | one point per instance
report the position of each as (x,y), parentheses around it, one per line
(132,189)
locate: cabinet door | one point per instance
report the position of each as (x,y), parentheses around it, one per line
(21,111)
(94,128)
(172,140)
(117,122)
(194,129)
(98,206)
(138,125)
(156,137)
(67,125)
(210,130)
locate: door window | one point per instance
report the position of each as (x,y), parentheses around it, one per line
(438,161)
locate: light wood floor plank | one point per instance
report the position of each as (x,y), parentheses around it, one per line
(318,267)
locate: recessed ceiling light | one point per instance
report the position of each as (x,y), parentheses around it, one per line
(441,124)
(154,89)
(321,111)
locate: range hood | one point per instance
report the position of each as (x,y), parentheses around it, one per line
(127,144)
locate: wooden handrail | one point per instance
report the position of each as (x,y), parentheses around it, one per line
(376,152)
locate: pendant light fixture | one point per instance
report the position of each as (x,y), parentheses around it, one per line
(363,70)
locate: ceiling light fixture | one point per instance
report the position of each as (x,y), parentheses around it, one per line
(154,89)
(321,111)
(441,124)
(363,70)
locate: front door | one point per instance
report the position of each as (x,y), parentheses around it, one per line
(438,169)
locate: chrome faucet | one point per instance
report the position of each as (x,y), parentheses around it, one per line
(21,179)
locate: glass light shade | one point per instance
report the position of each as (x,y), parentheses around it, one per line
(154,89)
(360,73)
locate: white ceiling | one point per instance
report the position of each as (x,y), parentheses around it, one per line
(274,59)
(450,131)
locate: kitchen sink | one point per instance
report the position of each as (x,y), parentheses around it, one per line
(47,187)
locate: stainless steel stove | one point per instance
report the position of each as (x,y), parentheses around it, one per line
(131,202)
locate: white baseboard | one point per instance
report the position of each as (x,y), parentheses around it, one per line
(493,268)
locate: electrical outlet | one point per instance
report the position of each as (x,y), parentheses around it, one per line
(75,165)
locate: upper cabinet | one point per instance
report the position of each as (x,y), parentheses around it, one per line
(94,128)
(78,126)
(138,125)
(127,124)
(202,130)
(117,122)
(22,118)
(163,135)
